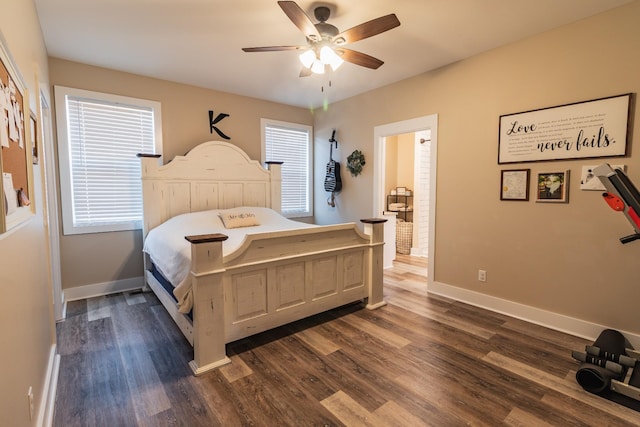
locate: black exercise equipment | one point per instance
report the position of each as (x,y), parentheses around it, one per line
(610,368)
(621,196)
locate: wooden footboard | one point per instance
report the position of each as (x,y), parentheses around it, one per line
(277,278)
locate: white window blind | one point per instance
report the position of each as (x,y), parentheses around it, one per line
(291,144)
(101,183)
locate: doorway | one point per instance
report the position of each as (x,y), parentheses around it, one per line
(424,134)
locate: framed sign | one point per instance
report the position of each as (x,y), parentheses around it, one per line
(597,128)
(514,185)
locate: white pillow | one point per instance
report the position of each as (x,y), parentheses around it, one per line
(238,219)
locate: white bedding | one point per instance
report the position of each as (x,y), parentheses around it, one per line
(170,252)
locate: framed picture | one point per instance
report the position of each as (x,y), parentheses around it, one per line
(588,181)
(553,187)
(514,184)
(588,129)
(401,191)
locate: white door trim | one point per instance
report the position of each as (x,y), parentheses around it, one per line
(407,126)
(53,221)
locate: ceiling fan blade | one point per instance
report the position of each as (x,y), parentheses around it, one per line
(272,48)
(305,72)
(300,19)
(359,58)
(369,29)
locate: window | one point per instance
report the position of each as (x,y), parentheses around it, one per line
(291,143)
(99,136)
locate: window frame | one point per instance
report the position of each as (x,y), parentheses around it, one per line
(264,124)
(64,163)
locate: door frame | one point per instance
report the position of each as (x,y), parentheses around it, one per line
(380,133)
(53,220)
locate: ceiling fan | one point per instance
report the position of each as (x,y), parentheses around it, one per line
(325,43)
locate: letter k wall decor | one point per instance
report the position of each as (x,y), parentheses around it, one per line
(214,121)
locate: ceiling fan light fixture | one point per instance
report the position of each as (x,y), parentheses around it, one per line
(310,60)
(308,57)
(317,67)
(329,57)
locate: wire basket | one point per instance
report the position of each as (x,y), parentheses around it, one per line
(404,236)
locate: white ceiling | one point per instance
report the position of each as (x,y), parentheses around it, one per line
(199,42)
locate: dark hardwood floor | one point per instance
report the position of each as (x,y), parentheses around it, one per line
(419,361)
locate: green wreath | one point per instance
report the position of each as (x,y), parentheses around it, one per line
(355,162)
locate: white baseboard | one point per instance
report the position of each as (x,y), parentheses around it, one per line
(559,322)
(48,398)
(419,252)
(105,288)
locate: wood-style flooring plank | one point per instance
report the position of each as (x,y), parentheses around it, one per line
(567,388)
(483,392)
(108,382)
(130,325)
(266,396)
(392,414)
(236,369)
(519,418)
(225,405)
(73,387)
(421,330)
(586,414)
(97,383)
(314,339)
(421,360)
(350,412)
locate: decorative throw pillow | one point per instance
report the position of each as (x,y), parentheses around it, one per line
(238,219)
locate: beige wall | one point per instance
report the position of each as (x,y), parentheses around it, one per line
(406,158)
(564,258)
(106,257)
(399,162)
(27,329)
(391,164)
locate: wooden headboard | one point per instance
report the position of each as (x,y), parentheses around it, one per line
(213,175)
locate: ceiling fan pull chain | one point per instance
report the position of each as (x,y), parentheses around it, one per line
(322,87)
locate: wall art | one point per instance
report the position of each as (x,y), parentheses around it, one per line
(590,129)
(514,184)
(553,187)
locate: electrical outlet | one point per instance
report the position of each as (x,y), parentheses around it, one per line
(31,407)
(482,275)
